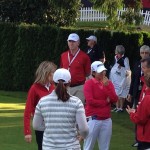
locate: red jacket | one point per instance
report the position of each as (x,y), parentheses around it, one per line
(143,88)
(96,95)
(142,118)
(36,92)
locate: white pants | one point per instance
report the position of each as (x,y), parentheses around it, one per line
(100,130)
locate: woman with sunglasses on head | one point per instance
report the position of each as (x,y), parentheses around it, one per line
(57,115)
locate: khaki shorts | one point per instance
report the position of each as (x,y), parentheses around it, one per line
(78,92)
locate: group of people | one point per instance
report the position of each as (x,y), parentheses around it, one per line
(74,102)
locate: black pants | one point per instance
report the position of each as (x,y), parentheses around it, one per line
(39,139)
(143,145)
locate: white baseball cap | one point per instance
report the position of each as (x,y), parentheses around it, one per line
(92,37)
(62,74)
(97,66)
(73,37)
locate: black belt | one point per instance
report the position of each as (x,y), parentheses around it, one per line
(96,118)
(78,84)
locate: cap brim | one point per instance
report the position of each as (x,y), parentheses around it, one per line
(100,69)
(70,39)
(88,39)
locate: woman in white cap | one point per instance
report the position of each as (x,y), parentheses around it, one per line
(99,93)
(58,113)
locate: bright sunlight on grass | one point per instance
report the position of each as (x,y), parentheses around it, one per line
(11,106)
(11,125)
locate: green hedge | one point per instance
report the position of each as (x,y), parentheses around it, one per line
(8,38)
(23,47)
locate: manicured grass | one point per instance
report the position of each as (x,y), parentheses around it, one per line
(89,25)
(11,125)
(11,122)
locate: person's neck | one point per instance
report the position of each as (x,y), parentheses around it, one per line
(73,52)
(98,79)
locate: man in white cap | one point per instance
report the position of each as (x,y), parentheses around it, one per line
(78,63)
(93,50)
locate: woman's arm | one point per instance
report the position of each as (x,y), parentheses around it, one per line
(110,91)
(88,93)
(81,121)
(38,121)
(28,110)
(141,116)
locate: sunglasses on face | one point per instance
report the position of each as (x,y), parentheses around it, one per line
(144,52)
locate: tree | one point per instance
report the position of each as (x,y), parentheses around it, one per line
(10,11)
(132,15)
(56,12)
(110,8)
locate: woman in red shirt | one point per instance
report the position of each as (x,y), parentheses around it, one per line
(42,86)
(141,117)
(99,94)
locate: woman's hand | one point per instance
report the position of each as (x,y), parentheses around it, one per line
(130,110)
(80,138)
(28,138)
(105,81)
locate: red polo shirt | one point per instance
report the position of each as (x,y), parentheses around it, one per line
(96,95)
(79,68)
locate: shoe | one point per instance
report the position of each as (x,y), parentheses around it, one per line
(135,144)
(119,110)
(114,110)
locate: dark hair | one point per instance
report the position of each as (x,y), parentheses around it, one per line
(93,75)
(61,91)
(146,60)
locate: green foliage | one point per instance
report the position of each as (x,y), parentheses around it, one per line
(34,45)
(110,8)
(146,38)
(60,12)
(10,10)
(130,17)
(8,37)
(103,36)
